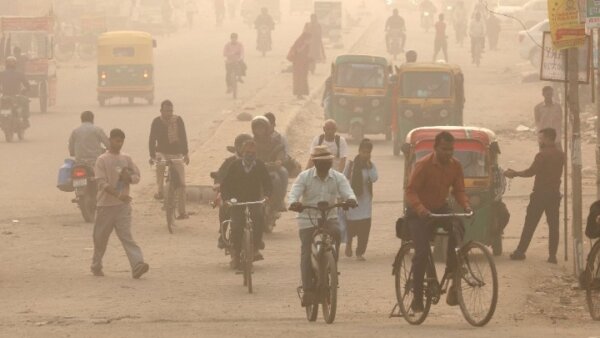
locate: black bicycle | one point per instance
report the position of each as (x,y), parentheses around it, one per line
(247,250)
(592,281)
(475,280)
(172,186)
(324,264)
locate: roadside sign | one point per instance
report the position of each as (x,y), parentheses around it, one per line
(565,26)
(592,14)
(554,60)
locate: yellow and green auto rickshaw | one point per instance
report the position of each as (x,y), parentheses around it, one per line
(359,99)
(426,94)
(126,66)
(477,150)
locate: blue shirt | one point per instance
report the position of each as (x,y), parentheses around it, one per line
(310,189)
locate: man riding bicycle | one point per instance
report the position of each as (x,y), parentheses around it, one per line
(246,180)
(312,186)
(427,192)
(234,61)
(395,25)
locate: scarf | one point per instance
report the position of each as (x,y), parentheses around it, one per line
(172,129)
(356,177)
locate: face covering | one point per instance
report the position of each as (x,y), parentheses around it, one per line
(249,158)
(323,166)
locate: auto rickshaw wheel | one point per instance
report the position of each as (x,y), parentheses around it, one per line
(43,95)
(357,132)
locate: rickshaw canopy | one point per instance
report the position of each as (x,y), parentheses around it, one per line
(482,135)
(125,47)
(360,75)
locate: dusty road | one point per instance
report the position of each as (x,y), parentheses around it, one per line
(47,290)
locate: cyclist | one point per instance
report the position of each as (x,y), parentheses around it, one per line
(247,180)
(234,61)
(312,186)
(426,193)
(395,25)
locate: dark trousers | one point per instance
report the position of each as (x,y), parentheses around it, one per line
(440,45)
(360,229)
(238,222)
(422,230)
(539,203)
(306,239)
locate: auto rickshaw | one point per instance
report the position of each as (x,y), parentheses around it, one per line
(477,150)
(125,66)
(426,94)
(359,95)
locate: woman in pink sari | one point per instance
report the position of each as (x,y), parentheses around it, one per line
(299,56)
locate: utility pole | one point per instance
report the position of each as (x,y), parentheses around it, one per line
(573,64)
(597,125)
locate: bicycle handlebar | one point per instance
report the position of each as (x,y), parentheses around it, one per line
(330,207)
(235,203)
(464,214)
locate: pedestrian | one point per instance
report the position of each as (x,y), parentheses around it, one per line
(316,51)
(299,56)
(361,173)
(477,35)
(493,28)
(115,172)
(168,142)
(336,144)
(441,41)
(191,8)
(548,114)
(547,168)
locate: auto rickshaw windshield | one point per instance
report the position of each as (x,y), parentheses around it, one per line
(474,162)
(360,75)
(426,84)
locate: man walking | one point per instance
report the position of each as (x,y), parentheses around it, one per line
(115,172)
(336,144)
(548,114)
(168,141)
(440,42)
(547,168)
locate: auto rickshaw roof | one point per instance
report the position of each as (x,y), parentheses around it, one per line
(125,37)
(482,135)
(429,66)
(361,58)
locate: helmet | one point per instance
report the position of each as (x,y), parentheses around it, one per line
(11,62)
(260,121)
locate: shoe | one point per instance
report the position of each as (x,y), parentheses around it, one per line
(98,272)
(159,196)
(308,298)
(184,216)
(348,249)
(417,306)
(517,256)
(452,299)
(258,256)
(552,260)
(360,258)
(140,269)
(234,264)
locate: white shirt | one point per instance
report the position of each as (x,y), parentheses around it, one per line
(333,149)
(310,189)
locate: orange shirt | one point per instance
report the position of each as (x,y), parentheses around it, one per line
(430,182)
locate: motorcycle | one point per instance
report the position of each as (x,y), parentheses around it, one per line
(85,189)
(395,46)
(263,40)
(11,116)
(426,20)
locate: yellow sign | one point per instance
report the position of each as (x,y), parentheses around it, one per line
(565,27)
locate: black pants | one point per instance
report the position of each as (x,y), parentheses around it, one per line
(360,229)
(422,230)
(306,239)
(539,203)
(440,44)
(238,222)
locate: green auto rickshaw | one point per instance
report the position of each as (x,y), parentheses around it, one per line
(359,99)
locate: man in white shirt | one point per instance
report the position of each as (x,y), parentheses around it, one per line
(335,143)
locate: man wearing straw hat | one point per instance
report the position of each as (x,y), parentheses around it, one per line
(312,186)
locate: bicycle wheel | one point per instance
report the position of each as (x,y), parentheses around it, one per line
(312,311)
(476,283)
(329,285)
(247,258)
(404,286)
(170,206)
(592,275)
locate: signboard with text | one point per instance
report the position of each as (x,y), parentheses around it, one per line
(554,61)
(592,14)
(565,26)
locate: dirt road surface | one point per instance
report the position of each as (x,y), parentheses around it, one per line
(45,248)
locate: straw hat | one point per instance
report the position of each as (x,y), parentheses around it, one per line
(321,153)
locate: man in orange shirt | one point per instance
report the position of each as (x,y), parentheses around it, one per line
(427,192)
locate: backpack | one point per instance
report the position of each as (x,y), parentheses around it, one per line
(337,143)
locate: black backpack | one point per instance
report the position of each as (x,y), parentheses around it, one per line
(337,143)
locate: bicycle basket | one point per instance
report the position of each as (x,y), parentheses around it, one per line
(402,229)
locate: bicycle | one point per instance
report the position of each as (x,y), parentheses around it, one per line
(172,185)
(469,280)
(324,264)
(247,250)
(591,281)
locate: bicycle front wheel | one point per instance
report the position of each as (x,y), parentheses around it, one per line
(247,258)
(403,278)
(170,207)
(592,276)
(329,286)
(476,283)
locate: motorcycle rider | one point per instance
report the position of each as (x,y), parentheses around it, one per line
(459,22)
(265,20)
(234,60)
(271,151)
(13,83)
(87,141)
(427,6)
(477,34)
(395,25)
